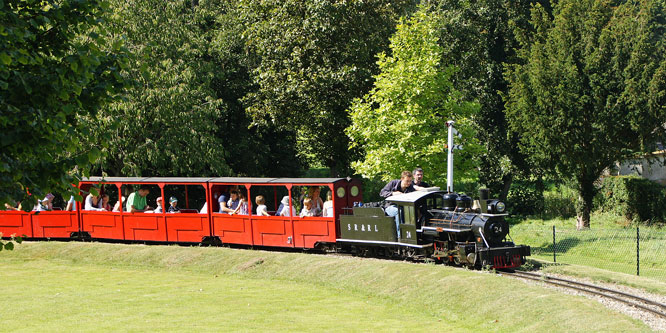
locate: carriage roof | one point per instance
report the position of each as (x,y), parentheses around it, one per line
(236,180)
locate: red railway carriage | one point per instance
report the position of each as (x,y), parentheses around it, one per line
(273,230)
(44,224)
(195,224)
(187,226)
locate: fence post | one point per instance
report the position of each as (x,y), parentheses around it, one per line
(554,257)
(638,251)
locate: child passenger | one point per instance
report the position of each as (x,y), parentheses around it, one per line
(159,205)
(173,208)
(307,208)
(328,205)
(261,206)
(105,203)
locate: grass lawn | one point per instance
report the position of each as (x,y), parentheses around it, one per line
(606,245)
(57,296)
(93,286)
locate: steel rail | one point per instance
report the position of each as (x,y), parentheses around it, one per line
(592,289)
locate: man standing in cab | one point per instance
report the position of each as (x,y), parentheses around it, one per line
(418,182)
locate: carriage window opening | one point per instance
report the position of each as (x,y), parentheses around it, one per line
(310,199)
(188,198)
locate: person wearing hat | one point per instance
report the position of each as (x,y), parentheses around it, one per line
(285,207)
(174,205)
(158,201)
(46,204)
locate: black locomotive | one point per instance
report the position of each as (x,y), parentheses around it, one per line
(446,227)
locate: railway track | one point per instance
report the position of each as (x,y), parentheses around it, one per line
(642,303)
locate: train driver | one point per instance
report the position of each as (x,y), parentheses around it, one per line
(395,187)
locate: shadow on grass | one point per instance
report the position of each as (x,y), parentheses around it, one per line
(561,246)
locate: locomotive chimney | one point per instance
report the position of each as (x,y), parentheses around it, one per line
(484,194)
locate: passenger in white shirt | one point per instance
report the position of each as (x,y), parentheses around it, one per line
(261,207)
(93,203)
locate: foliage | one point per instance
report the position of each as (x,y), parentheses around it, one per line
(167,124)
(309,59)
(560,201)
(57,62)
(591,88)
(9,244)
(401,122)
(477,37)
(633,197)
(525,199)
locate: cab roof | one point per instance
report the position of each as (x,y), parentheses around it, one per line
(413,196)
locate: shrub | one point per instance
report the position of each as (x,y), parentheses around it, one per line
(560,201)
(633,197)
(524,199)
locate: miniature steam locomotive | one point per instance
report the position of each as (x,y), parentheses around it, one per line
(438,225)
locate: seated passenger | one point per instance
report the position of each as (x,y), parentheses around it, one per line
(158,201)
(230,206)
(173,208)
(261,206)
(328,205)
(105,203)
(93,202)
(242,206)
(285,207)
(71,204)
(308,209)
(317,204)
(116,207)
(11,207)
(136,202)
(46,204)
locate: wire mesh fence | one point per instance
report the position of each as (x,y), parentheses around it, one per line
(639,251)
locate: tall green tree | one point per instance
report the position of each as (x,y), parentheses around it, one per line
(477,37)
(401,122)
(57,63)
(309,60)
(168,124)
(591,89)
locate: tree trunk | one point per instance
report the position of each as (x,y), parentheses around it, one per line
(507,180)
(584,207)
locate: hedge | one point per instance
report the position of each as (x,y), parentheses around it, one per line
(633,197)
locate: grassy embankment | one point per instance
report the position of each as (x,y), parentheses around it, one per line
(608,248)
(91,286)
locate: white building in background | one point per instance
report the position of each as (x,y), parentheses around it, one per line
(651,167)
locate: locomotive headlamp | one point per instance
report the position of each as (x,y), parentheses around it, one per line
(496,206)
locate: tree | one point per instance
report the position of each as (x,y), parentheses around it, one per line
(168,123)
(401,122)
(184,117)
(477,38)
(591,88)
(56,64)
(309,59)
